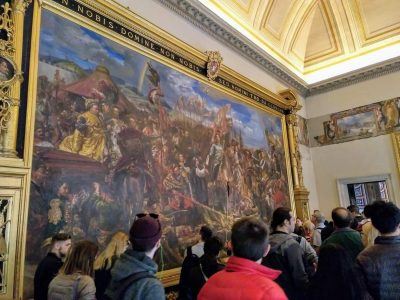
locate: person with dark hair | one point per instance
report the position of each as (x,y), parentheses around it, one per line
(133,274)
(357,218)
(336,277)
(286,255)
(379,264)
(368,231)
(208,266)
(192,259)
(51,264)
(205,233)
(244,277)
(75,280)
(343,235)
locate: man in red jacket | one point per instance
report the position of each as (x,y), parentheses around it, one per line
(244,277)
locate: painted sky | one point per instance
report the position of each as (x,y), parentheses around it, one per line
(357,120)
(64,39)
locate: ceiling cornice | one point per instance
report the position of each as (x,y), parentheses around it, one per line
(206,20)
(203,18)
(362,75)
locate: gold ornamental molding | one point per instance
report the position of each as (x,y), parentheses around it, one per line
(11,22)
(125,28)
(214,61)
(300,191)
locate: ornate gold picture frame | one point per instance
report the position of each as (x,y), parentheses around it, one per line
(218,109)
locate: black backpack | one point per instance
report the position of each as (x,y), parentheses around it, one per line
(191,260)
(126,283)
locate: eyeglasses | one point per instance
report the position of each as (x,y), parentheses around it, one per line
(141,215)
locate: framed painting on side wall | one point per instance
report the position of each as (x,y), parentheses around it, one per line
(127,122)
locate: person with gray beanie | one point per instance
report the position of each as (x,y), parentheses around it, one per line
(133,275)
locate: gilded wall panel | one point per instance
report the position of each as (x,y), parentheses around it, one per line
(126,122)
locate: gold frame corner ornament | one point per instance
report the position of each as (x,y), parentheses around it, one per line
(214,61)
(22,5)
(292,98)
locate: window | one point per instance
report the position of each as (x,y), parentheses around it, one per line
(364,193)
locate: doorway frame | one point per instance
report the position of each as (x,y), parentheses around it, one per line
(343,182)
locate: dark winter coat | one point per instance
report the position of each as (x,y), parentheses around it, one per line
(47,269)
(286,255)
(379,266)
(196,278)
(102,278)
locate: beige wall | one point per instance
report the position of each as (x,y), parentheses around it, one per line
(309,176)
(366,157)
(363,93)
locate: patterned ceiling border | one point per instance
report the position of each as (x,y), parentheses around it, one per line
(209,22)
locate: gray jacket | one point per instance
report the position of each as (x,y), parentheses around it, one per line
(380,268)
(286,255)
(129,263)
(309,253)
(74,286)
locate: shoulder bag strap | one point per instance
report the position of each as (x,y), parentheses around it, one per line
(127,282)
(202,272)
(75,288)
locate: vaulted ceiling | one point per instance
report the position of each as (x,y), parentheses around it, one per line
(311,45)
(317,39)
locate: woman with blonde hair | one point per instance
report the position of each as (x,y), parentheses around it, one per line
(75,279)
(105,261)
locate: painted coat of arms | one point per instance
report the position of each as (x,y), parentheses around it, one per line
(213,64)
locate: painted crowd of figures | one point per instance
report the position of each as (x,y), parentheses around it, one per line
(100,159)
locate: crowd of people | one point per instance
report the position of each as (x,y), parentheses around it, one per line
(353,257)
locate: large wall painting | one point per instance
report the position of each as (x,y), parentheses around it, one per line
(357,123)
(117,133)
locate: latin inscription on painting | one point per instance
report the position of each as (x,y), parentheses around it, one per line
(117,133)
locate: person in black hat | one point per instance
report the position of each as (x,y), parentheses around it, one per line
(133,275)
